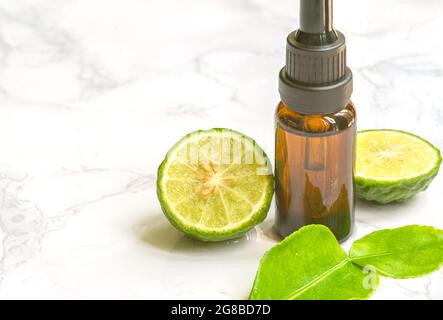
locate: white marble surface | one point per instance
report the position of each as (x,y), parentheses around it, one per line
(94,92)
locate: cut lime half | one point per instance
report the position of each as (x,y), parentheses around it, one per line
(393,165)
(215,185)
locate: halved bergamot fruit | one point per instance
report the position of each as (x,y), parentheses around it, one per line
(215,185)
(393,165)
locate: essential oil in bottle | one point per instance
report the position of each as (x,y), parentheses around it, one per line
(315,128)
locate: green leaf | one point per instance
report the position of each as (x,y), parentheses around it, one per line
(310,264)
(405,252)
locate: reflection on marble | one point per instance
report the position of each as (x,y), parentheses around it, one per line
(93,93)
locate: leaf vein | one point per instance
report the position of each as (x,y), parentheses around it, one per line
(382,254)
(316,280)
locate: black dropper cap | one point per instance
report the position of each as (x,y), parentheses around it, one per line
(315,79)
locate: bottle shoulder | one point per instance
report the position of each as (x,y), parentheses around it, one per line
(293,121)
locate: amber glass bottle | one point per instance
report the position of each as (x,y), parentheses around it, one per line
(314,161)
(315,127)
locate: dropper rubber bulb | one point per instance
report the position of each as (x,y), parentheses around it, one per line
(316,16)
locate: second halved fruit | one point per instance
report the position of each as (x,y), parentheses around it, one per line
(393,165)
